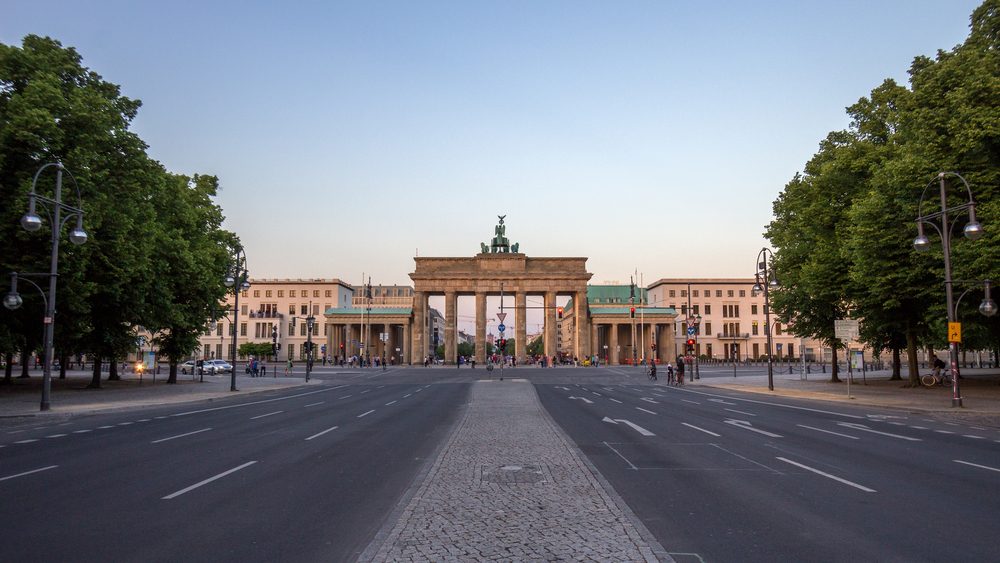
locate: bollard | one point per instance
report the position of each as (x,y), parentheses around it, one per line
(808,366)
(824,368)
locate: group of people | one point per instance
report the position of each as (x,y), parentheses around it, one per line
(674,377)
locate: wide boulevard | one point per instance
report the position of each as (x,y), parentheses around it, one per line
(322,471)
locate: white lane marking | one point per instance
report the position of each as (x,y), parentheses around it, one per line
(407,395)
(380,386)
(321,433)
(596,393)
(207,481)
(366,413)
(124,423)
(28,472)
(263,415)
(104,427)
(366,391)
(390,403)
(973,437)
(649,400)
(701,429)
(951,424)
(26,441)
(820,411)
(630,464)
(82,431)
(345,396)
(864,428)
(632,425)
(419,390)
(919,427)
(313,404)
(584,399)
(143,420)
(563,388)
(828,432)
(944,431)
(616,400)
(745,424)
(644,410)
(976,465)
(56,436)
(977,428)
(160,417)
(827,475)
(260,402)
(692,402)
(180,435)
(741,412)
(723,402)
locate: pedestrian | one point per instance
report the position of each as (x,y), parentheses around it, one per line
(670,374)
(680,370)
(263,369)
(288,367)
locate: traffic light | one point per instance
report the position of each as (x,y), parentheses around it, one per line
(502,344)
(631,312)
(690,345)
(559,312)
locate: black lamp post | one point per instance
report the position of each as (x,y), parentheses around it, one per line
(238,279)
(310,323)
(973,230)
(32,222)
(764,281)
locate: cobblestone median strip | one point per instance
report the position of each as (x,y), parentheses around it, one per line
(509,486)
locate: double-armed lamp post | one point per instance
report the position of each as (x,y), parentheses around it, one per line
(972,231)
(238,279)
(31,222)
(764,281)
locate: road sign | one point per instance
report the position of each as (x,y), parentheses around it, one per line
(690,331)
(502,327)
(846,330)
(955,332)
(501,316)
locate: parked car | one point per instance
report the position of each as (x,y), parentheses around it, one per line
(189,366)
(217,366)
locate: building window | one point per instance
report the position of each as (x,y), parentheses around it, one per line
(694,309)
(243,310)
(291,293)
(324,330)
(218,328)
(243,329)
(753,308)
(291,309)
(729,293)
(708,350)
(302,329)
(267,293)
(777,329)
(329,293)
(304,309)
(316,308)
(244,294)
(754,329)
(708,309)
(736,310)
(684,293)
(708,328)
(281,293)
(743,293)
(291,329)
(718,293)
(673,293)
(256,293)
(684,309)
(291,350)
(695,293)
(315,293)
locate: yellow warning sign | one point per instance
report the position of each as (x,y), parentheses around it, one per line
(954,332)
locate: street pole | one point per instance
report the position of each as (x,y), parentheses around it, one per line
(238,280)
(310,322)
(764,280)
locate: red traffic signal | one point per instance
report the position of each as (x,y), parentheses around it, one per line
(631,312)
(559,312)
(690,342)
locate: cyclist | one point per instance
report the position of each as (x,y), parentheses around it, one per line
(938,366)
(670,373)
(652,371)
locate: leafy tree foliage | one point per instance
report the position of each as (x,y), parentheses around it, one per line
(156,251)
(844,228)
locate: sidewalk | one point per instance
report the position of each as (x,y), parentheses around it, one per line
(980,390)
(71,395)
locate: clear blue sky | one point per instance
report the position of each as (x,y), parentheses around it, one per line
(649,136)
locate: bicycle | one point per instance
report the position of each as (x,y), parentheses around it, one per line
(930,380)
(652,372)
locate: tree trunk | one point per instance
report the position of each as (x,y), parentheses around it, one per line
(911,357)
(113,370)
(25,358)
(8,370)
(63,360)
(172,378)
(835,367)
(896,372)
(95,380)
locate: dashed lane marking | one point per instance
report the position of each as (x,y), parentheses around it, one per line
(317,435)
(207,481)
(366,413)
(829,432)
(263,415)
(741,412)
(828,475)
(644,410)
(180,436)
(390,403)
(28,472)
(976,465)
(701,429)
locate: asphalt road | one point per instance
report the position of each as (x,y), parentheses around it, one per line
(313,473)
(300,475)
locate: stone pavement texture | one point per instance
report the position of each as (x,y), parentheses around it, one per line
(71,395)
(510,486)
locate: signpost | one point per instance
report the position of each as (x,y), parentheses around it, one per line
(847,330)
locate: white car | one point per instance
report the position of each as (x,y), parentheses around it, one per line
(217,366)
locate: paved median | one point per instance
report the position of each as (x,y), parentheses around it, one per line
(509,485)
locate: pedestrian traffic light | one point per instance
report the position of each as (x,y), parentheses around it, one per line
(502,344)
(631,312)
(559,312)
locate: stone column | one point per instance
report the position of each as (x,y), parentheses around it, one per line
(419,324)
(349,348)
(450,326)
(521,326)
(481,327)
(582,338)
(550,324)
(594,342)
(406,346)
(613,344)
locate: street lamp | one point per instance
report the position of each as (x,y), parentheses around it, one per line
(32,222)
(697,324)
(237,278)
(310,322)
(764,282)
(972,230)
